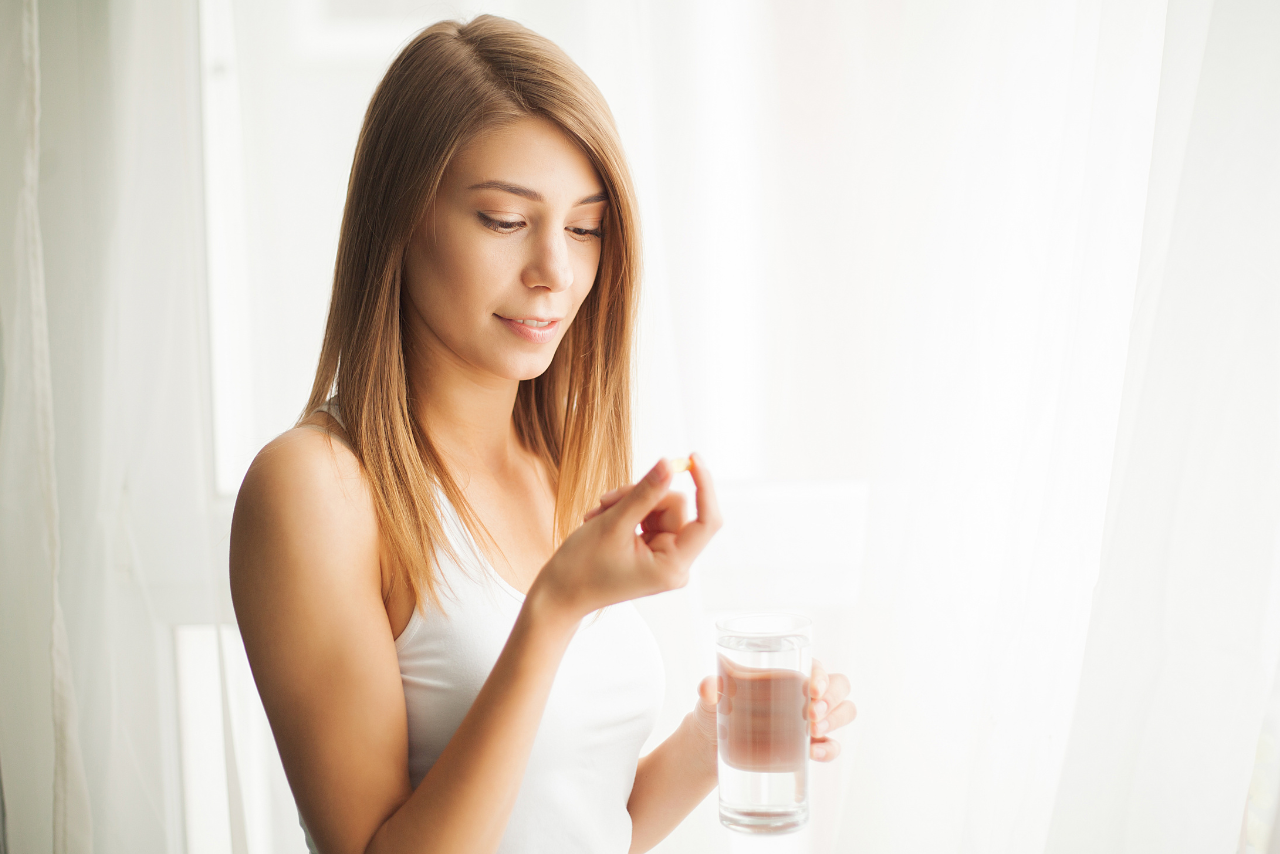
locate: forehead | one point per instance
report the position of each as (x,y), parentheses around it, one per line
(530,152)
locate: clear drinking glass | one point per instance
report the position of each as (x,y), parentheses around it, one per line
(764,664)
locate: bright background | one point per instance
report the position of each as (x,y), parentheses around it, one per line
(973,307)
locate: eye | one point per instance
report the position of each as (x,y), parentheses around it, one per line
(502,226)
(586,233)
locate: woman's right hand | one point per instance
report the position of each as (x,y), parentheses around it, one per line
(606,561)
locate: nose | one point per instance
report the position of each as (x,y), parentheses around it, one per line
(549,266)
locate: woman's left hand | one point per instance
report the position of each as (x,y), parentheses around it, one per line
(825,707)
(827,710)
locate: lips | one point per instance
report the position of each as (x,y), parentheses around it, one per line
(538,330)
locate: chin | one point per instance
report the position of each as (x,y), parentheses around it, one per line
(527,369)
(534,374)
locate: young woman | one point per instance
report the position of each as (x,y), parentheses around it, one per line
(433,595)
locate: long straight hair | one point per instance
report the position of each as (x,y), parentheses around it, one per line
(452,82)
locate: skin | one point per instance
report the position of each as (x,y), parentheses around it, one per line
(308,569)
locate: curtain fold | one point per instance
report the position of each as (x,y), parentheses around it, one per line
(1185,628)
(30,554)
(136,535)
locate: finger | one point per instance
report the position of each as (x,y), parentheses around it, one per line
(641,498)
(728,686)
(824,749)
(650,536)
(695,535)
(841,715)
(837,688)
(611,497)
(818,682)
(669,515)
(669,571)
(607,500)
(709,693)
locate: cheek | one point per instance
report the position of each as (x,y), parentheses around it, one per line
(456,282)
(585,269)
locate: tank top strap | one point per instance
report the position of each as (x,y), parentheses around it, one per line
(330,408)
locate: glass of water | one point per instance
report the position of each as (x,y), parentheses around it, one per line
(762,730)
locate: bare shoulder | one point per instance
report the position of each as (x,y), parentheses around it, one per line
(306,584)
(310,470)
(304,531)
(305,484)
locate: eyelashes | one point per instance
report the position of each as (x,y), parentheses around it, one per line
(502,226)
(510,226)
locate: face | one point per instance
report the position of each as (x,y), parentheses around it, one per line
(507,252)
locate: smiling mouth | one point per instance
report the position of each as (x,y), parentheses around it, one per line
(533,329)
(531,322)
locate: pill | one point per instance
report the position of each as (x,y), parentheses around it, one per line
(681,464)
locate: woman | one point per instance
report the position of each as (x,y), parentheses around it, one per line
(437,618)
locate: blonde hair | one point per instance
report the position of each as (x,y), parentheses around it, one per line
(452,82)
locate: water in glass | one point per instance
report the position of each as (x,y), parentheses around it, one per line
(762,731)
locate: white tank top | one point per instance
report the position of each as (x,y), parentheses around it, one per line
(601,709)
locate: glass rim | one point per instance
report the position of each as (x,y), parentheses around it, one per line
(798,623)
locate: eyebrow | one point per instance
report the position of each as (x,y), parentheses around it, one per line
(534,195)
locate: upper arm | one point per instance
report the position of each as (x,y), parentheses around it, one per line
(306,583)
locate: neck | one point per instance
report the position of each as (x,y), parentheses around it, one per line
(467,413)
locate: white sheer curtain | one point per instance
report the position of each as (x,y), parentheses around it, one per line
(138,541)
(974,308)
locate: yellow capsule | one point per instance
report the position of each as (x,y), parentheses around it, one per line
(681,464)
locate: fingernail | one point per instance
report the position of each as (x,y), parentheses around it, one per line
(821,727)
(659,472)
(819,708)
(819,753)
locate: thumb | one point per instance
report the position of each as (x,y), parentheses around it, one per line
(709,694)
(704,713)
(643,497)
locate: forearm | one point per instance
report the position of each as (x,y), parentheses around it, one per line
(463,803)
(670,782)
